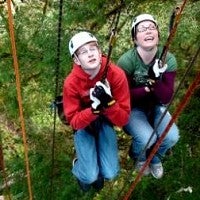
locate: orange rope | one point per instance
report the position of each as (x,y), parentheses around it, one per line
(16,67)
(179,109)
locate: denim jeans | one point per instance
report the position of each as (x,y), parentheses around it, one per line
(141,129)
(97,152)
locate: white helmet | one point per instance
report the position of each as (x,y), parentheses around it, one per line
(80,39)
(141,18)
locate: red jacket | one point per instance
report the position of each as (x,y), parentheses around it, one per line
(76,100)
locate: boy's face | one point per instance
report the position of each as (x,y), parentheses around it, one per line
(147,35)
(88,56)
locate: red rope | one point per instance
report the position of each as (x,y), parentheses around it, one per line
(177,112)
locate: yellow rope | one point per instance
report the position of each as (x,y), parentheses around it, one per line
(16,68)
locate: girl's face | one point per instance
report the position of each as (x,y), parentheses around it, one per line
(147,35)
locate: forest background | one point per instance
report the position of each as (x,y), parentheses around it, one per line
(50,143)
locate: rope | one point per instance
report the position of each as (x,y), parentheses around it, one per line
(56,91)
(18,87)
(173,27)
(177,112)
(112,41)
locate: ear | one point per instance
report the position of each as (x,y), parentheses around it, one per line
(76,60)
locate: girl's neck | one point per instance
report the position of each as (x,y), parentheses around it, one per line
(147,55)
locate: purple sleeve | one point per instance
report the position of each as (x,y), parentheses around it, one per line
(164,89)
(138,93)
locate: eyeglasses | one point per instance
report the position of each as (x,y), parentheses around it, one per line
(85,51)
(143,28)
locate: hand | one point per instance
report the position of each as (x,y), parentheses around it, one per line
(95,102)
(149,85)
(103,94)
(147,89)
(157,69)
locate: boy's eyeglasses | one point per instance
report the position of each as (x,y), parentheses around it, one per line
(85,51)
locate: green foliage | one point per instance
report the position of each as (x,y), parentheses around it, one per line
(36,35)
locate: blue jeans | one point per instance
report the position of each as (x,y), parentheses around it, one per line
(97,153)
(141,129)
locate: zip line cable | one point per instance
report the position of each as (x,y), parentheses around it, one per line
(19,97)
(176,114)
(56,92)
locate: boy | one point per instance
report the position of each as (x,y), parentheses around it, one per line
(93,106)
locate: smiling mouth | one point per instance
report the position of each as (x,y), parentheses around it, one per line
(149,39)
